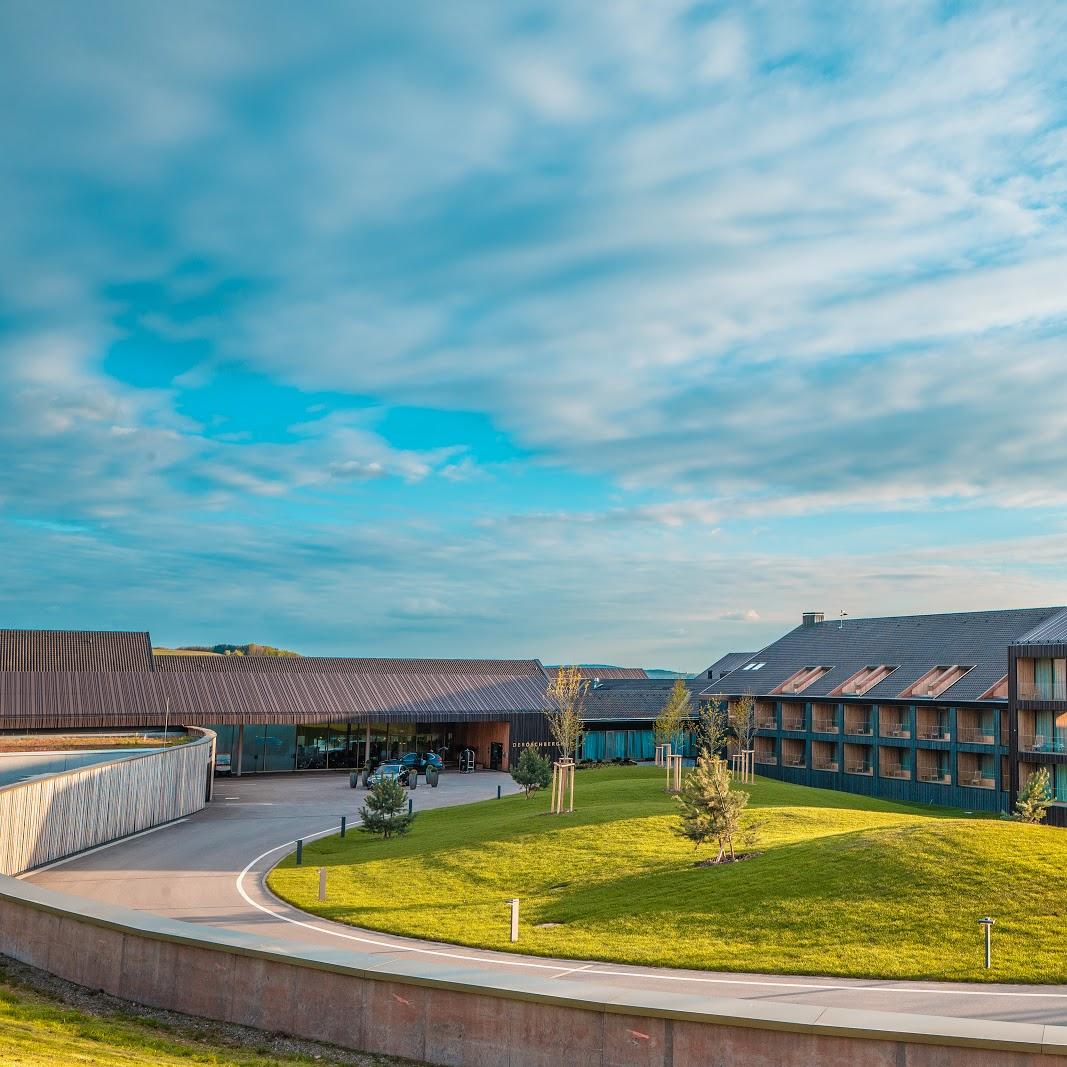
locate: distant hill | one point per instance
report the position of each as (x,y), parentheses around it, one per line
(660,672)
(225,650)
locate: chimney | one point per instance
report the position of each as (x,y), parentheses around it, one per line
(812,618)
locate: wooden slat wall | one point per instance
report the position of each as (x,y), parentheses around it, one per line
(51,818)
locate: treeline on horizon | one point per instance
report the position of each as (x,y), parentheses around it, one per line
(251,649)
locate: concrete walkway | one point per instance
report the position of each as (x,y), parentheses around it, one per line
(210,867)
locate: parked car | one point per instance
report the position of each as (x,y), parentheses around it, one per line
(392,769)
(421,762)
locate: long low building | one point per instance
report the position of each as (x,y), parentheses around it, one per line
(273,713)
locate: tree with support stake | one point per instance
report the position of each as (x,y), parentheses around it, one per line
(672,720)
(565,705)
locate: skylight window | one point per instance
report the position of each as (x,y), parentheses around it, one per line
(753,666)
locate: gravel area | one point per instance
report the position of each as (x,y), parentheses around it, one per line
(48,987)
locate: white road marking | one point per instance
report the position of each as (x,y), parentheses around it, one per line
(591,969)
(99,848)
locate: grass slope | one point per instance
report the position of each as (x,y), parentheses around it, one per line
(36,1033)
(843,885)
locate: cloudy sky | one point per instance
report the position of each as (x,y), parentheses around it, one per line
(615,332)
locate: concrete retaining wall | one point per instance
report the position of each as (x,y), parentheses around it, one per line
(50,818)
(425,1009)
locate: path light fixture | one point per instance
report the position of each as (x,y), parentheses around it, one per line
(988,924)
(514,905)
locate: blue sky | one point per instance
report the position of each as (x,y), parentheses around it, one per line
(603,332)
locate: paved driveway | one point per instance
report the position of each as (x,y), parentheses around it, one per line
(209,868)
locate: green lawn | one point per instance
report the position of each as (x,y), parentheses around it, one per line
(843,885)
(37,1032)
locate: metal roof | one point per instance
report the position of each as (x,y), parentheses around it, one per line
(914,644)
(1050,632)
(623,699)
(56,679)
(75,650)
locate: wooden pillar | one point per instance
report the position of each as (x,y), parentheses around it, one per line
(238,754)
(674,773)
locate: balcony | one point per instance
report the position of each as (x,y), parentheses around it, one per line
(767,724)
(934,733)
(824,726)
(897,772)
(768,758)
(894,723)
(936,776)
(861,729)
(859,768)
(793,754)
(1044,743)
(975,735)
(975,772)
(1053,692)
(793,723)
(825,765)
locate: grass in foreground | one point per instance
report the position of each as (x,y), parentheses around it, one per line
(842,885)
(39,1031)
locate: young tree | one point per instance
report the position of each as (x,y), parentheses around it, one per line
(711,810)
(1034,797)
(674,717)
(743,722)
(533,771)
(384,812)
(712,725)
(565,699)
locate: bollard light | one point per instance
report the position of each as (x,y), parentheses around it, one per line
(411,805)
(322,883)
(988,924)
(344,823)
(498,792)
(300,852)
(514,904)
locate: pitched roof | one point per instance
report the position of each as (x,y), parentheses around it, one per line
(74,650)
(634,699)
(55,679)
(1052,631)
(725,664)
(225,689)
(913,644)
(591,673)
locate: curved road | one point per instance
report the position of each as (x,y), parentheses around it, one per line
(210,868)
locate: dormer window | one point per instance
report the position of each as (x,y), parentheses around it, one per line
(863,681)
(934,682)
(798,682)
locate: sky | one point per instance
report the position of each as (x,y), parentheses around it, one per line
(617,333)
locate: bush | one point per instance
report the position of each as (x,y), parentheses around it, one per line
(385,810)
(533,771)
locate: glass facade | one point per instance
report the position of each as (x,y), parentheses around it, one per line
(629,744)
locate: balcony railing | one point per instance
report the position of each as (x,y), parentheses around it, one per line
(936,776)
(825,726)
(975,735)
(858,768)
(793,724)
(863,728)
(896,772)
(794,761)
(825,765)
(766,757)
(895,731)
(1044,743)
(767,724)
(1053,691)
(977,781)
(934,733)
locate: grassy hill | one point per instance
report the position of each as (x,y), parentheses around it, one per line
(40,1028)
(842,885)
(225,650)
